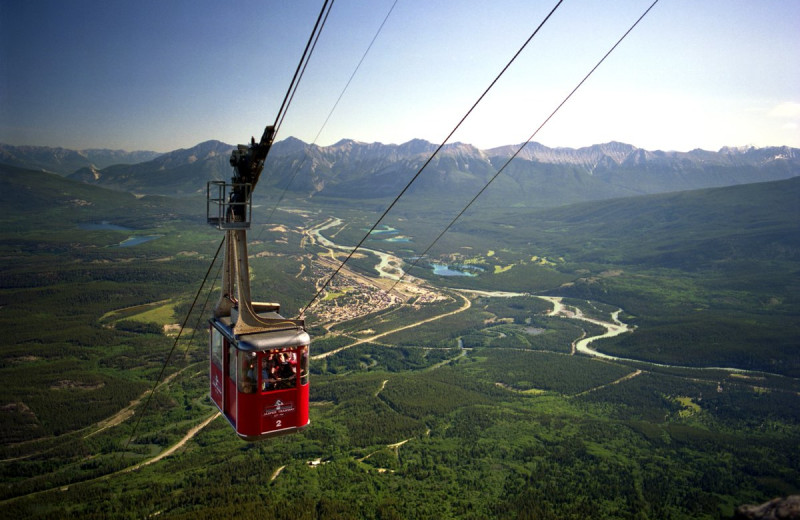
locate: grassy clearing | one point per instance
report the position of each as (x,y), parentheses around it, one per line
(689,406)
(162,314)
(338,294)
(129,312)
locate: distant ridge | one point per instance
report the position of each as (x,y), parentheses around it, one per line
(539,176)
(63,161)
(177,173)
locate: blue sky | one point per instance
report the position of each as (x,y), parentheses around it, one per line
(161,75)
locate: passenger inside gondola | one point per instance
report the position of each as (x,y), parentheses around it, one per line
(286,372)
(248,374)
(269,372)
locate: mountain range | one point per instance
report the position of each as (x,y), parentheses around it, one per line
(64,161)
(538,176)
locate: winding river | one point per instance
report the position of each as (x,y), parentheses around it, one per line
(613,328)
(389,267)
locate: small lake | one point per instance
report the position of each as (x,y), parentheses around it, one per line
(455,270)
(383,229)
(105,225)
(383,233)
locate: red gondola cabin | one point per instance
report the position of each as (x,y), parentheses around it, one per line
(259,381)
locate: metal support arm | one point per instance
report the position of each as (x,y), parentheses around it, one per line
(236,272)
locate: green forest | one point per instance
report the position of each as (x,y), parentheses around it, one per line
(473,405)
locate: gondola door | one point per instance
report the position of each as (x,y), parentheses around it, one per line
(230,382)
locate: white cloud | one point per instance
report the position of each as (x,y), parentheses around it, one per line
(787,110)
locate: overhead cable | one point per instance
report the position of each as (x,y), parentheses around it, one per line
(553,113)
(325,123)
(428,161)
(301,66)
(174,344)
(202,312)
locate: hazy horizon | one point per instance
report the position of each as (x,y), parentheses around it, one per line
(164,76)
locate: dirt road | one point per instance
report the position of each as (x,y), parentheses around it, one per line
(175,447)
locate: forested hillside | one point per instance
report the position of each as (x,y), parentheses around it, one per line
(456,404)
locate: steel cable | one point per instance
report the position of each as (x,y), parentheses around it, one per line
(325,123)
(428,161)
(553,113)
(174,344)
(301,66)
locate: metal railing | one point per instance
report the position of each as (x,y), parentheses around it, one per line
(228,205)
